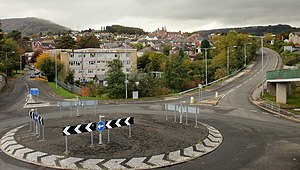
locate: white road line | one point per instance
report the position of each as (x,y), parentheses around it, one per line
(254,111)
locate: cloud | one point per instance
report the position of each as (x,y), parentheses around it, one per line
(185,15)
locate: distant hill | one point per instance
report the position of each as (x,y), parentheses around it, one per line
(254,30)
(29,26)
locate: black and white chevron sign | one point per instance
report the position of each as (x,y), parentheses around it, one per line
(71,130)
(119,122)
(31,114)
(36,117)
(40,120)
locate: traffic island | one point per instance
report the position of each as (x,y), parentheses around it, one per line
(154,143)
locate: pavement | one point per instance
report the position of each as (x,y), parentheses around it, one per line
(16,150)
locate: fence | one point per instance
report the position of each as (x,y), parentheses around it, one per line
(272,105)
(283,74)
(181,110)
(70,87)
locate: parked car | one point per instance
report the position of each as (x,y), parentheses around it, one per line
(36,72)
(32,76)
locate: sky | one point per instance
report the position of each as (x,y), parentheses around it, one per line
(175,15)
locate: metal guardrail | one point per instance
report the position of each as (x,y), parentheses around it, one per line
(216,81)
(283,74)
(272,105)
(69,87)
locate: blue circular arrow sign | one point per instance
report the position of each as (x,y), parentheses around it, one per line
(100,126)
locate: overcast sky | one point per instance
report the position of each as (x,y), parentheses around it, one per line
(184,15)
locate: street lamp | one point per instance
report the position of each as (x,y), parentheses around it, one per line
(228,57)
(262,60)
(12,52)
(205,49)
(245,53)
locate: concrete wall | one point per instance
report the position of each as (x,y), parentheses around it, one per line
(281,93)
(2,81)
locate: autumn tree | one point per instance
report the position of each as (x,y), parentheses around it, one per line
(46,64)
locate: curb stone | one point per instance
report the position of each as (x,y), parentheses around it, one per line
(10,147)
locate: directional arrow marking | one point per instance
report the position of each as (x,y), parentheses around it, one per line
(65,131)
(88,127)
(108,124)
(77,129)
(126,121)
(118,123)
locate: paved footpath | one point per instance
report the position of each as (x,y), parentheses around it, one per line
(10,147)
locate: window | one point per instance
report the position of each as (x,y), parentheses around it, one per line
(71,63)
(79,71)
(92,62)
(128,62)
(127,69)
(72,55)
(103,70)
(90,70)
(98,62)
(92,55)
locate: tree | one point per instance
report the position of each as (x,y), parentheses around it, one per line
(65,42)
(115,79)
(46,64)
(70,77)
(1,31)
(175,73)
(88,41)
(15,35)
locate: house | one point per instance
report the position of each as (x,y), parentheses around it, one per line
(294,37)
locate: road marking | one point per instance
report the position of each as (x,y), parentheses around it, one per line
(254,111)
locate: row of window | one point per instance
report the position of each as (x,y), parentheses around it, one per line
(78,63)
(98,70)
(92,55)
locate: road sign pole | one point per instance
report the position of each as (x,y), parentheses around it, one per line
(196,118)
(100,133)
(66,141)
(30,123)
(108,139)
(60,109)
(186,115)
(166,109)
(95,107)
(180,116)
(43,132)
(77,103)
(129,128)
(92,139)
(175,114)
(71,108)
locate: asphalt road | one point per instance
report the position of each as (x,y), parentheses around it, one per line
(253,139)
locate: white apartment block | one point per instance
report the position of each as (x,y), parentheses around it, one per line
(87,63)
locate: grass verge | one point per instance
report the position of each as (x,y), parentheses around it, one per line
(61,91)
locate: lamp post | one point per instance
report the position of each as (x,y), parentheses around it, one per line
(262,60)
(228,48)
(245,53)
(205,49)
(20,63)
(12,52)
(55,71)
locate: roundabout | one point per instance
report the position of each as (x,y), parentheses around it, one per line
(154,143)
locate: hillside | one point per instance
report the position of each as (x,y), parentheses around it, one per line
(255,30)
(29,26)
